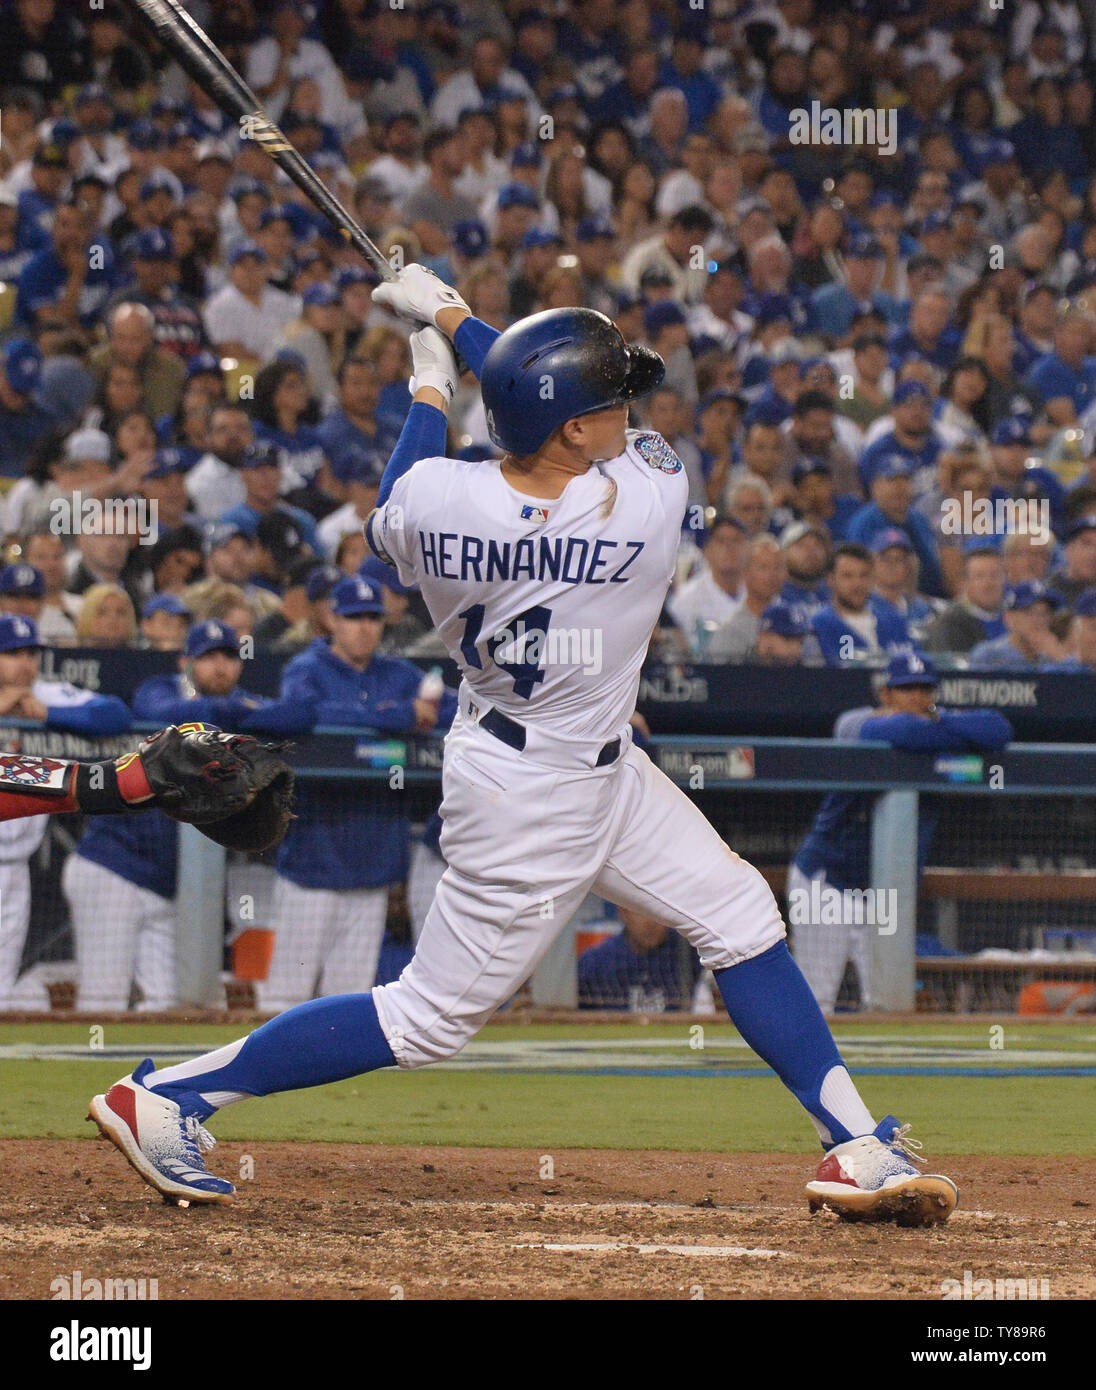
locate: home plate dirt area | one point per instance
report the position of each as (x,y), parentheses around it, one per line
(368,1221)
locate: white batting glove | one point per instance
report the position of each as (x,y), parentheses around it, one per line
(417,293)
(433,362)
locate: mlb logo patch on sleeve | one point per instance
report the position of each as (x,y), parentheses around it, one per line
(654,450)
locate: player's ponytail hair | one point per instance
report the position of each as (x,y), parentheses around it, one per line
(610,499)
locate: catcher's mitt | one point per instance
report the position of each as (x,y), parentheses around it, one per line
(235,789)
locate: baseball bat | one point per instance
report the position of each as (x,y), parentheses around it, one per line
(203,61)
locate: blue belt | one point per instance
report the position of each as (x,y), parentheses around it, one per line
(510,732)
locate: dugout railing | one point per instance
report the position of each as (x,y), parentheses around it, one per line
(1008,900)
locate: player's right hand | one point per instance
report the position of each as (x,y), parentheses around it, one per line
(433,362)
(417,293)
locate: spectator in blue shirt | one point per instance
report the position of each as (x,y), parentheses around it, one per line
(930,332)
(1065,378)
(806,547)
(23,424)
(354,423)
(891,505)
(686,72)
(850,627)
(895,581)
(1017,475)
(1030,644)
(912,434)
(261,470)
(70,280)
(836,305)
(816,501)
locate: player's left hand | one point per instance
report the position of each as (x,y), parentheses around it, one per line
(417,293)
(433,363)
(235,789)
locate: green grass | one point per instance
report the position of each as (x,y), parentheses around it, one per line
(1021,1115)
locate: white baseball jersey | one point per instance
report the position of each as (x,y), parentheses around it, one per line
(546,605)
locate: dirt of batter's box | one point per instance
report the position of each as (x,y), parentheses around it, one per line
(363,1221)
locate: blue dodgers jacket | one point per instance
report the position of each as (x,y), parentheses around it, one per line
(839,841)
(164,700)
(349,833)
(835,636)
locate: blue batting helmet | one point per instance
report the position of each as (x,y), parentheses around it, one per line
(556,365)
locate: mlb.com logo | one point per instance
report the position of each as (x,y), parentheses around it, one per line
(537,514)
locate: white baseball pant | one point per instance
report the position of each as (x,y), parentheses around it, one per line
(123,934)
(18,841)
(326,941)
(527,835)
(821,949)
(423,878)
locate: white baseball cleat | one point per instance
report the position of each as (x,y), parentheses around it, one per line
(875,1178)
(162,1143)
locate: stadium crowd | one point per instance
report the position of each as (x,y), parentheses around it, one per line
(880,371)
(862,236)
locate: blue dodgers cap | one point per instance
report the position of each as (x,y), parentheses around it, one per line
(891,538)
(1085,607)
(261,454)
(153,244)
(1031,591)
(321,581)
(350,598)
(864,247)
(527,156)
(219,533)
(785,619)
(17,632)
(161,181)
(166,462)
(771,308)
(144,135)
(22,579)
(718,393)
(469,238)
(203,363)
(358,464)
(321,295)
(374,571)
(999,152)
(592,227)
(212,636)
(1015,429)
(910,668)
(165,603)
(893,466)
(980,545)
(662,315)
(355,275)
(247,248)
(806,467)
(517,195)
(22,361)
(909,390)
(540,236)
(939,220)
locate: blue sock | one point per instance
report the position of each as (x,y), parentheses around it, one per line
(324,1040)
(771,1005)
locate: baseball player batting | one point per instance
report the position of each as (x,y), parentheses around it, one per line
(544,574)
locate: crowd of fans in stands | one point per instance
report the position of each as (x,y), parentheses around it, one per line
(880,369)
